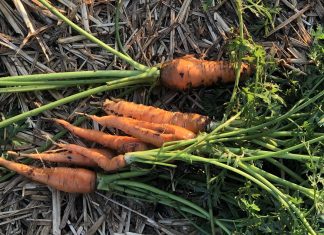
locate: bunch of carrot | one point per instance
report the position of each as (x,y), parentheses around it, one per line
(147,126)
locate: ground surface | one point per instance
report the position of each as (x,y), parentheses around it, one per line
(151,32)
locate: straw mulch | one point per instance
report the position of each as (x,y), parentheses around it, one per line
(33,40)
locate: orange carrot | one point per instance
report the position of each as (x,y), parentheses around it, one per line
(186,72)
(58,157)
(191,121)
(107,164)
(122,144)
(144,134)
(179,133)
(72,180)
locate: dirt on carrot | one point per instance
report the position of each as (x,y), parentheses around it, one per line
(72,180)
(179,133)
(144,134)
(189,72)
(106,163)
(191,121)
(58,156)
(122,144)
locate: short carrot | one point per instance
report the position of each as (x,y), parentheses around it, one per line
(72,180)
(144,134)
(122,144)
(62,156)
(191,121)
(187,71)
(104,162)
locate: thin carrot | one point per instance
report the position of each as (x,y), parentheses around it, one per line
(107,164)
(191,121)
(179,133)
(186,72)
(122,144)
(62,156)
(72,180)
(144,134)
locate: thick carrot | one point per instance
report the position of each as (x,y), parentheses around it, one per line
(186,72)
(122,144)
(144,134)
(107,164)
(58,157)
(191,121)
(72,180)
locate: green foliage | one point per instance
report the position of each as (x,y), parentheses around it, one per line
(317,51)
(207,4)
(264,14)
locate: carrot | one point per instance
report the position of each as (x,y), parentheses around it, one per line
(104,162)
(72,180)
(186,72)
(58,157)
(179,133)
(144,134)
(122,144)
(191,121)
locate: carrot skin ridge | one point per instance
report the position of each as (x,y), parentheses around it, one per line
(71,180)
(122,144)
(144,134)
(191,121)
(188,72)
(179,133)
(58,157)
(105,163)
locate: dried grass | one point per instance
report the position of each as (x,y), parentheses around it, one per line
(33,41)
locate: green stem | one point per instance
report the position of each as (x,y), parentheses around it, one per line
(148,77)
(117,15)
(286,150)
(257,153)
(193,158)
(275,162)
(154,190)
(285,169)
(163,156)
(57,83)
(291,133)
(104,180)
(210,206)
(70,75)
(92,38)
(152,198)
(280,194)
(308,192)
(171,196)
(239,10)
(29,88)
(198,228)
(217,129)
(275,120)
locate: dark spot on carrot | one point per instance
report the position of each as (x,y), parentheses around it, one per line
(69,157)
(181,74)
(30,172)
(191,121)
